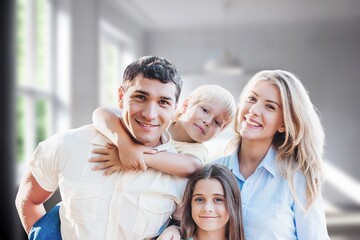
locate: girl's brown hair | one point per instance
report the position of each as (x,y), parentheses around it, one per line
(234,227)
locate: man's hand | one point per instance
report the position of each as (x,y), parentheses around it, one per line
(170,233)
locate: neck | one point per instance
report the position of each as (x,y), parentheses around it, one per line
(210,235)
(250,156)
(178,132)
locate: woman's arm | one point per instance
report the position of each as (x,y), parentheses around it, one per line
(310,224)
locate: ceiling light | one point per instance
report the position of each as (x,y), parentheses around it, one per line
(225,62)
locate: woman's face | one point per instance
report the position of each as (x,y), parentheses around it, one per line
(260,114)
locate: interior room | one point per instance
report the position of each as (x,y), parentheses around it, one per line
(70,56)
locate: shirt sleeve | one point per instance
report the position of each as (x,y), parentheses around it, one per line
(310,223)
(198,151)
(44,164)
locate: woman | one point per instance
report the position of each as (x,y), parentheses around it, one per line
(277,159)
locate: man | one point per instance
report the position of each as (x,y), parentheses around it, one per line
(126,205)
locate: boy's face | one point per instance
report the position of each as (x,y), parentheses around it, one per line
(203,121)
(148,107)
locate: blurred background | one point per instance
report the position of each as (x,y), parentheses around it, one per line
(69,55)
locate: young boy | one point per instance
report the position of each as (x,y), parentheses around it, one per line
(202,116)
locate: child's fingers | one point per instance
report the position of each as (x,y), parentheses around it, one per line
(103,151)
(102,166)
(110,146)
(142,166)
(111,170)
(150,151)
(102,158)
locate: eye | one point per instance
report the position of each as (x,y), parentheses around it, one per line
(219,200)
(198,199)
(218,123)
(271,107)
(251,99)
(205,110)
(164,102)
(140,97)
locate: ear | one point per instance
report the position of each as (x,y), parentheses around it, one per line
(121,95)
(184,106)
(281,129)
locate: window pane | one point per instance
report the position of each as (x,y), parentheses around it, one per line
(111,78)
(41,30)
(20,129)
(42,120)
(20,41)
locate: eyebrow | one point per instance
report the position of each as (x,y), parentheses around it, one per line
(216,194)
(161,97)
(274,102)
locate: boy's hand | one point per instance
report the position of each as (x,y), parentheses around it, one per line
(108,159)
(170,233)
(132,156)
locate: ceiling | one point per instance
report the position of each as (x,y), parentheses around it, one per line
(208,14)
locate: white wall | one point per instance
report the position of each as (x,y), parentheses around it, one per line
(325,55)
(85,32)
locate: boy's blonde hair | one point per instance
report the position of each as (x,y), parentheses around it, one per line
(211,94)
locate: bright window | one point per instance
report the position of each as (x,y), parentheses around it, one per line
(37,101)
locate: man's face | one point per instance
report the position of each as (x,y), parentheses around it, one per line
(148,107)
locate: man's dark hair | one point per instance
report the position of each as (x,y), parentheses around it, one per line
(152,67)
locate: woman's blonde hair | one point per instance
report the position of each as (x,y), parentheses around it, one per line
(211,94)
(300,147)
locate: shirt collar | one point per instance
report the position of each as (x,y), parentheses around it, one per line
(268,162)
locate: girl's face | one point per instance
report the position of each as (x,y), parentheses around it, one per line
(260,114)
(203,121)
(208,207)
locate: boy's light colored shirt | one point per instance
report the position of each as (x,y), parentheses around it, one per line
(126,205)
(197,149)
(268,207)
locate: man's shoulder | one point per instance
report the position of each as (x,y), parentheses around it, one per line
(75,134)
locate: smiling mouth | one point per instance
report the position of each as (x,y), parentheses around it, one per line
(202,130)
(208,217)
(146,125)
(252,123)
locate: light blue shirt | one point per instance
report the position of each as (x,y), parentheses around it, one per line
(268,207)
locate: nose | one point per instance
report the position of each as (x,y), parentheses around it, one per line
(150,111)
(207,120)
(255,109)
(208,206)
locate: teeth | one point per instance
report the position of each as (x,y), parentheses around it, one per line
(252,123)
(146,125)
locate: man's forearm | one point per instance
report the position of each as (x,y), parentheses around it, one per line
(29,214)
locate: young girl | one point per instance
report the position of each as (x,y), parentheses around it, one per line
(202,116)
(277,160)
(212,206)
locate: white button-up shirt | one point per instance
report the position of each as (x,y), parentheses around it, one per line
(126,205)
